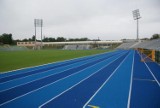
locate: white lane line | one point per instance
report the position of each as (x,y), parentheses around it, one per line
(45,76)
(105,82)
(62,61)
(41,73)
(131,82)
(151,73)
(39,88)
(76,84)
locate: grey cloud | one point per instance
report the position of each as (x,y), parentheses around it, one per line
(107,19)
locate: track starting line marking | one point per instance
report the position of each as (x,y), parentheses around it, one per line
(144,79)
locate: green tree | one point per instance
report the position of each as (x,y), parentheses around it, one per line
(155,36)
(51,39)
(33,38)
(60,39)
(78,39)
(1,40)
(45,39)
(25,40)
(6,38)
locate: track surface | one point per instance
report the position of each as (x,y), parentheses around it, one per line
(110,80)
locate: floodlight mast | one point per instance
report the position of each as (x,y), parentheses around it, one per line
(41,33)
(38,23)
(136,16)
(35,21)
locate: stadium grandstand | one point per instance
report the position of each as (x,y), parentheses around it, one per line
(153,44)
(12,48)
(150,48)
(77,47)
(126,45)
(73,45)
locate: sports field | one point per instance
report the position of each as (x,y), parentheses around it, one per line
(116,79)
(11,60)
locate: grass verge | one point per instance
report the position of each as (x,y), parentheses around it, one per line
(11,60)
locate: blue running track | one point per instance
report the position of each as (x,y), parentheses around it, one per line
(110,80)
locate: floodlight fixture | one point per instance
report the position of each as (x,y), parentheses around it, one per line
(136,16)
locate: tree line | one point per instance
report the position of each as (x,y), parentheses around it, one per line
(7,39)
(58,39)
(155,36)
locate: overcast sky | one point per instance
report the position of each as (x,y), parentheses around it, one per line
(106,19)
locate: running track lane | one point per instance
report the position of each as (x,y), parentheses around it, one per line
(114,93)
(20,90)
(39,96)
(7,78)
(145,90)
(155,68)
(79,95)
(24,70)
(30,78)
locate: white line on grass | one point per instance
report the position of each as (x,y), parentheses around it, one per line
(74,85)
(105,82)
(41,87)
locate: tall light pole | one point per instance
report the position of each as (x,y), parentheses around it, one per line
(35,24)
(38,23)
(136,16)
(41,31)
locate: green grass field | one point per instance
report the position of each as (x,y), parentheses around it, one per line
(11,60)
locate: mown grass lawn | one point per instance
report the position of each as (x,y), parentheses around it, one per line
(10,60)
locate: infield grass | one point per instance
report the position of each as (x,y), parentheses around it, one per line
(11,60)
